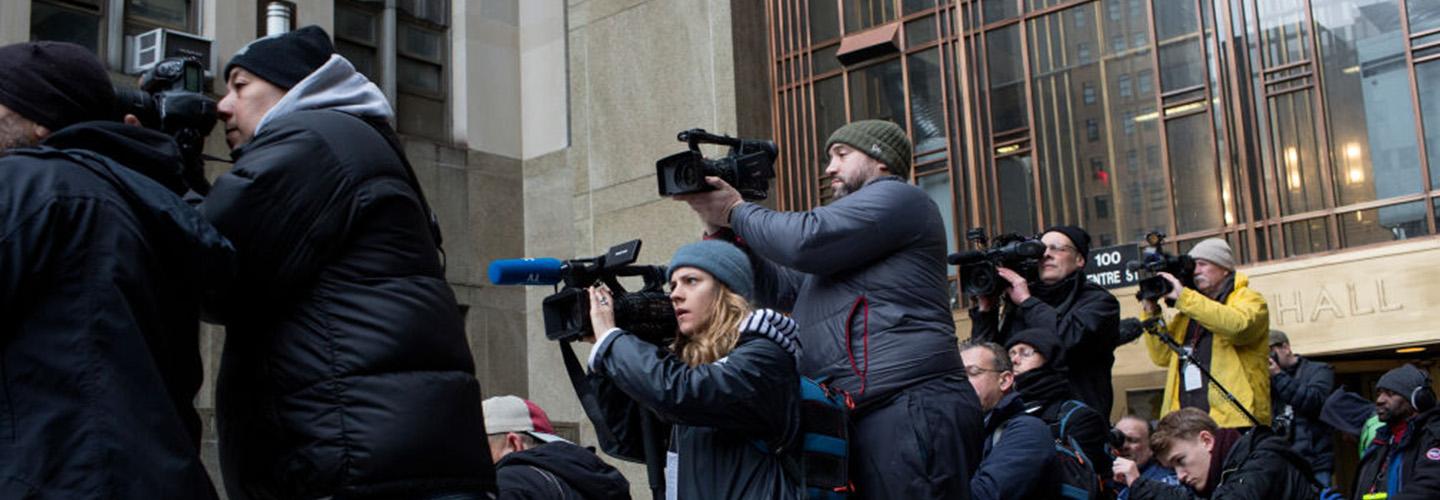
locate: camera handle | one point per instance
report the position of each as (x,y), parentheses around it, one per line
(1155,326)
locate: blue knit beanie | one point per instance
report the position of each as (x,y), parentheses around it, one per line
(722,260)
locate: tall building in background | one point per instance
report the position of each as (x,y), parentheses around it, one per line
(1305,132)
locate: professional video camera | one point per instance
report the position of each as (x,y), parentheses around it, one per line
(1156,261)
(647,312)
(171,99)
(748,166)
(979,275)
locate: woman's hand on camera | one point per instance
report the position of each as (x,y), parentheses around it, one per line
(602,313)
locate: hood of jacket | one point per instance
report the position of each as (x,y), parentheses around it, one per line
(580,468)
(1009,406)
(144,167)
(335,86)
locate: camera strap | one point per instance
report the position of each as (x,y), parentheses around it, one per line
(589,401)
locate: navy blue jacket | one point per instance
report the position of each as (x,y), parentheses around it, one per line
(102,271)
(719,411)
(1019,451)
(1298,394)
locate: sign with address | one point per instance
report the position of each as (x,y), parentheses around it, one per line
(1106,266)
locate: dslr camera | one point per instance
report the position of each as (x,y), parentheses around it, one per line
(979,269)
(646,312)
(1155,260)
(749,166)
(171,100)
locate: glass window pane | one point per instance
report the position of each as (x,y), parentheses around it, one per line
(1073,190)
(1197,181)
(1182,64)
(1017,198)
(1007,86)
(863,14)
(1308,236)
(913,6)
(824,20)
(1175,18)
(1284,37)
(1373,152)
(418,76)
(170,13)
(420,116)
(1396,222)
(996,10)
(1427,80)
(1297,171)
(354,24)
(1424,15)
(878,92)
(49,22)
(829,112)
(938,187)
(824,60)
(920,31)
(927,109)
(422,43)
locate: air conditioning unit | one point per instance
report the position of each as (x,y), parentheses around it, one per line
(159,44)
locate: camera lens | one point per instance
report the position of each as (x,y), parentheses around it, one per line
(686,176)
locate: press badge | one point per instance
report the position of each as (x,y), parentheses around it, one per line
(1192,374)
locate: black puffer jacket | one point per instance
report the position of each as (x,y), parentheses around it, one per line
(1085,317)
(102,271)
(559,471)
(346,369)
(1297,395)
(722,413)
(1259,466)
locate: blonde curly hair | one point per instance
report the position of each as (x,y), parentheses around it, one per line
(717,337)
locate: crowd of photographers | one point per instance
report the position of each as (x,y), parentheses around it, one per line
(346,372)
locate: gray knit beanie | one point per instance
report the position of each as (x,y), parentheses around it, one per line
(884,141)
(1215,250)
(1403,380)
(722,260)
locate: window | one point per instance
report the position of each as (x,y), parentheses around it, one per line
(82,22)
(1143,82)
(1117,43)
(421,52)
(1128,120)
(1124,86)
(1083,52)
(1092,130)
(1089,92)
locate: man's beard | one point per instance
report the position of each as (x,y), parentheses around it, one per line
(847,187)
(14,134)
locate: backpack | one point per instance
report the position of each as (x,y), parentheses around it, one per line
(1073,471)
(819,454)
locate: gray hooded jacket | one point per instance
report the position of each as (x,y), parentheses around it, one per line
(865,279)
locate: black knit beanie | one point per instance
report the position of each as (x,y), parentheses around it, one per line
(284,59)
(1044,341)
(1078,237)
(884,141)
(55,84)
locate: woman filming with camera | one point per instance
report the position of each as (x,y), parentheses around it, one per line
(728,383)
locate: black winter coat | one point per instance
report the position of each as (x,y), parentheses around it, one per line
(1418,454)
(1044,393)
(1260,466)
(1019,451)
(720,412)
(346,368)
(559,471)
(102,271)
(1087,320)
(1298,394)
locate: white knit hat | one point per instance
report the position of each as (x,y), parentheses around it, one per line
(1215,250)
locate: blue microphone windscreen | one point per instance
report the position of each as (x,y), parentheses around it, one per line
(541,271)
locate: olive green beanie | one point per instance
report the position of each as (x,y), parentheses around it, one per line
(884,141)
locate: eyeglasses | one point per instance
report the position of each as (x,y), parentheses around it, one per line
(1022,353)
(1060,248)
(975,371)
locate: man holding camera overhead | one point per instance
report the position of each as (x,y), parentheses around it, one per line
(865,279)
(1083,316)
(1224,325)
(102,269)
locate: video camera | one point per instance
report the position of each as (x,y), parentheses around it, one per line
(171,99)
(646,313)
(979,269)
(1155,261)
(748,166)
